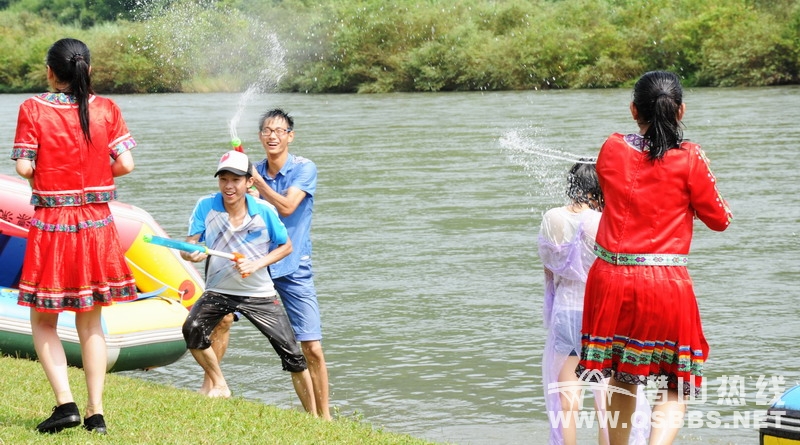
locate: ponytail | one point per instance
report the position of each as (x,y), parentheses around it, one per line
(658,96)
(70,61)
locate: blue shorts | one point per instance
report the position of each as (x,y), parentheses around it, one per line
(299,298)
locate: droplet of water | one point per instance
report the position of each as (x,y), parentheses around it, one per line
(208,43)
(546,166)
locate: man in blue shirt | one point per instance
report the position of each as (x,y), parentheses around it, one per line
(289,182)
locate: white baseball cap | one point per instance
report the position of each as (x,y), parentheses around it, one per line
(235,162)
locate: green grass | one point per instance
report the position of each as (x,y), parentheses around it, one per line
(140,412)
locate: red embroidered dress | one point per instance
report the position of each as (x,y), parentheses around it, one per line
(641,318)
(73,259)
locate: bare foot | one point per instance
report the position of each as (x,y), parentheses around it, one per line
(207,384)
(222,392)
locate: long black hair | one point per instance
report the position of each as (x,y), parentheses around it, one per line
(583,186)
(69,59)
(658,96)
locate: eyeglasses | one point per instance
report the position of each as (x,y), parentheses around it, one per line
(280,132)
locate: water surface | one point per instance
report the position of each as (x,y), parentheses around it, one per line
(425,243)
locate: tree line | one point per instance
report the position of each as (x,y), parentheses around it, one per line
(376,46)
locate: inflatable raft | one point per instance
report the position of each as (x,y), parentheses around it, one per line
(781,426)
(140,334)
(144,333)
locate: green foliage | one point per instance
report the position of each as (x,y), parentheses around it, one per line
(25,40)
(211,42)
(120,65)
(373,46)
(83,13)
(754,50)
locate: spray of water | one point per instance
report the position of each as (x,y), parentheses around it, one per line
(546,166)
(207,41)
(267,79)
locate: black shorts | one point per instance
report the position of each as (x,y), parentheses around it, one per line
(265,313)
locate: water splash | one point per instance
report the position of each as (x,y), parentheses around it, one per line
(214,47)
(546,166)
(267,79)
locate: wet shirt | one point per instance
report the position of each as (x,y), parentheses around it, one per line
(260,230)
(301,173)
(566,248)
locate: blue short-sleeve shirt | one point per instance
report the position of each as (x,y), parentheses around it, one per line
(301,173)
(261,230)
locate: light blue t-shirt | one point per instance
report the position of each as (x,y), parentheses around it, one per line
(260,230)
(301,173)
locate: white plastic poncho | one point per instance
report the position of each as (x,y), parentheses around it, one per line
(566,248)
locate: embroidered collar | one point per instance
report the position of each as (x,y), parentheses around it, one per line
(58,98)
(637,142)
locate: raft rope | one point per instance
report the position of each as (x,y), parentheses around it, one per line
(167,286)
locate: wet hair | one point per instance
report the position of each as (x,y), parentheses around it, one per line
(69,59)
(276,113)
(658,96)
(583,186)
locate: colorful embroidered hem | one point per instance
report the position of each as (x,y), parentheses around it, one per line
(77,300)
(121,145)
(636,362)
(71,228)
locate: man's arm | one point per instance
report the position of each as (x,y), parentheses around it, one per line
(194,257)
(245,266)
(286,205)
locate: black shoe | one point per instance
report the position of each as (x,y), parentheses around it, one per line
(95,423)
(64,416)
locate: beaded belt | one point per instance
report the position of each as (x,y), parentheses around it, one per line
(641,259)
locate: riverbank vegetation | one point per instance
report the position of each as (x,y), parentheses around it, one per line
(142,412)
(371,46)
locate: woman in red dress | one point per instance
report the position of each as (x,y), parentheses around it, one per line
(641,320)
(70,144)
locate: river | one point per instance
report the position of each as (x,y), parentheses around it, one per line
(424,235)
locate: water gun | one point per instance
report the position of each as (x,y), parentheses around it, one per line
(189,247)
(236,143)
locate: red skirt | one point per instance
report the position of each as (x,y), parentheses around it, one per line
(74,261)
(642,323)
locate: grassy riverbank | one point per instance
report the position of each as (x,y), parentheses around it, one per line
(140,412)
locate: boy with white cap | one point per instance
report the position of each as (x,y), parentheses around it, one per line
(233,221)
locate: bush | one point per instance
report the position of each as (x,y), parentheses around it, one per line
(373,46)
(755,49)
(25,40)
(120,66)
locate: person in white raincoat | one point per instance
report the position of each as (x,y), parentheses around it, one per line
(566,248)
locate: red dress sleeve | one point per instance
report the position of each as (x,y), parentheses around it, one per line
(26,140)
(120,139)
(705,199)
